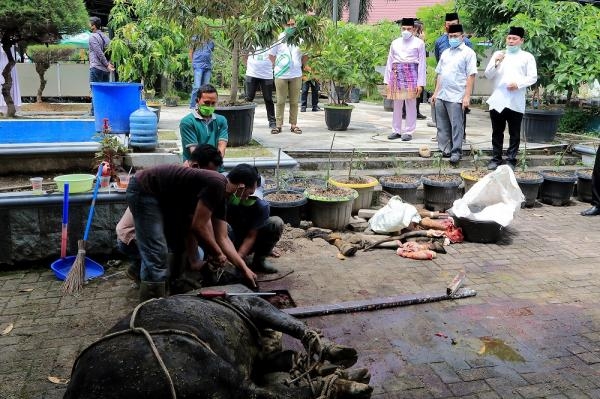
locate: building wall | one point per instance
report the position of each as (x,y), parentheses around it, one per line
(392,10)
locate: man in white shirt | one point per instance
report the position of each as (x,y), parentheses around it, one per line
(512,71)
(259,73)
(456,73)
(405,77)
(287,67)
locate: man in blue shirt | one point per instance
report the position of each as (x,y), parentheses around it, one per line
(201,60)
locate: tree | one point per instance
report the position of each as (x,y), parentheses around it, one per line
(144,45)
(358,8)
(45,55)
(246,24)
(35,21)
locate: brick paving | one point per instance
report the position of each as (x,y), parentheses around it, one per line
(536,310)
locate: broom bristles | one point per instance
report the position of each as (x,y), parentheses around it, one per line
(74,281)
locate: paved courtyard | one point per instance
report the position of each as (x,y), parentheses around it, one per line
(532,331)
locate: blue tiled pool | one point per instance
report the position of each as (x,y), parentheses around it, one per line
(21,131)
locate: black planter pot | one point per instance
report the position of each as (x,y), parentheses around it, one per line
(355,95)
(584,185)
(540,126)
(557,190)
(479,231)
(530,189)
(440,195)
(290,211)
(407,191)
(337,118)
(240,121)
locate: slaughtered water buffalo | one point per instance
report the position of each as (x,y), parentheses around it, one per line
(185,346)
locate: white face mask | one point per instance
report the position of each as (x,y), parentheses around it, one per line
(406,34)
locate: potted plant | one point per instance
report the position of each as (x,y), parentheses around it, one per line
(330,207)
(558,185)
(364,185)
(472,176)
(45,55)
(529,182)
(584,185)
(144,45)
(283,202)
(403,185)
(171,99)
(334,62)
(440,190)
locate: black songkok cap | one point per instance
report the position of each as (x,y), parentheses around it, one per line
(406,22)
(455,28)
(452,16)
(517,31)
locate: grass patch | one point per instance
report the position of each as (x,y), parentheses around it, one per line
(252,150)
(167,135)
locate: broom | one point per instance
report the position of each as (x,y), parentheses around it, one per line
(75,278)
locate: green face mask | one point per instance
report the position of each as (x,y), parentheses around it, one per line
(290,30)
(235,200)
(206,110)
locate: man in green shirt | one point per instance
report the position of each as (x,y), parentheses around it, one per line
(202,125)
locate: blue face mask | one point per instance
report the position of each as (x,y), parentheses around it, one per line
(454,42)
(512,49)
(406,34)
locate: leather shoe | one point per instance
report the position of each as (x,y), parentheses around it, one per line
(303,109)
(406,137)
(421,116)
(316,109)
(394,136)
(593,211)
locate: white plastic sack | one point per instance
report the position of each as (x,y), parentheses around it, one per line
(394,216)
(495,197)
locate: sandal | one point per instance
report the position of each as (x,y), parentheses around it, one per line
(296,130)
(276,130)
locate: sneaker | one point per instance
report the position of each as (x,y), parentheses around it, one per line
(394,136)
(316,109)
(431,124)
(421,116)
(406,137)
(454,159)
(302,109)
(492,165)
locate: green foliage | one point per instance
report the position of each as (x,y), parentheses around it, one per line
(110,150)
(45,55)
(245,24)
(324,8)
(565,56)
(476,155)
(522,162)
(438,162)
(433,18)
(358,161)
(574,120)
(399,165)
(147,46)
(334,61)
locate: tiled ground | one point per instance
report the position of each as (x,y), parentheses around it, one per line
(533,330)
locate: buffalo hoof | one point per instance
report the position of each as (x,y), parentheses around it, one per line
(361,375)
(346,389)
(340,355)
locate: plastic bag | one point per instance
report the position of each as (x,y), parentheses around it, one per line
(495,197)
(394,216)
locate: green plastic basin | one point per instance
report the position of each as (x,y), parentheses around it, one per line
(78,183)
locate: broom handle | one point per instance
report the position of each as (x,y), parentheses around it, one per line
(65,222)
(91,214)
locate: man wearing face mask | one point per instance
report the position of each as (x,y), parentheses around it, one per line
(405,78)
(512,71)
(202,125)
(456,73)
(168,201)
(252,230)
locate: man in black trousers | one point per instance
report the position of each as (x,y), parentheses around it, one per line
(595,208)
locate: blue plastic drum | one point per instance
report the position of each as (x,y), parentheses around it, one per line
(115,101)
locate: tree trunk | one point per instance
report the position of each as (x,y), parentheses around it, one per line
(235,71)
(354,8)
(7,85)
(41,68)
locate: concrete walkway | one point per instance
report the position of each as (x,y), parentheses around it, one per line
(368,130)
